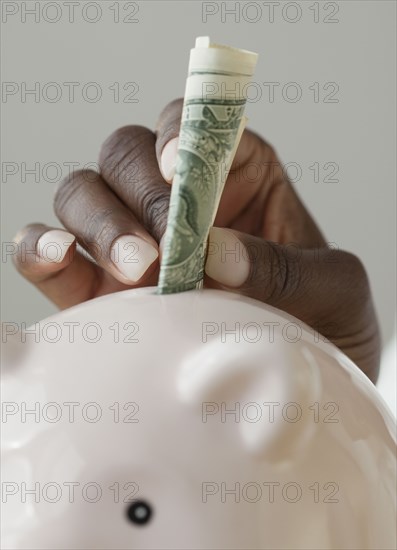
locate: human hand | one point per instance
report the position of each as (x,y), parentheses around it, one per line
(264,245)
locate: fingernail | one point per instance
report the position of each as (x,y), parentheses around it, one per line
(132,256)
(53,245)
(227,259)
(168,159)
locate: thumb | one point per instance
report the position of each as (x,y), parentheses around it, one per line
(284,276)
(325,288)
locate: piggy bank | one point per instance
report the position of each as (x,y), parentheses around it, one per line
(194,420)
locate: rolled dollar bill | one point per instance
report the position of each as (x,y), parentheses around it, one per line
(211,126)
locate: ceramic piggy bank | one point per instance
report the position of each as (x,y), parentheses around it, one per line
(194,420)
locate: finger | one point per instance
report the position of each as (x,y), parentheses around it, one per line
(254,171)
(128,164)
(303,282)
(252,148)
(251,179)
(106,228)
(327,289)
(47,258)
(167,134)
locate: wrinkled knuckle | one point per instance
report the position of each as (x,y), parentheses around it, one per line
(155,211)
(119,137)
(68,188)
(122,149)
(285,276)
(100,230)
(121,140)
(99,223)
(290,274)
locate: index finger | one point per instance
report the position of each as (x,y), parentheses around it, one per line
(129,166)
(252,148)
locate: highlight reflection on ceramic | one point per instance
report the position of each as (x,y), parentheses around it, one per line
(195,420)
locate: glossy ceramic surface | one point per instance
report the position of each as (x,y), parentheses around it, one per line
(236,425)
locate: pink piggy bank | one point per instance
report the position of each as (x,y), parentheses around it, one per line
(194,420)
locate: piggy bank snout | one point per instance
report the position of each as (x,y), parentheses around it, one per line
(267,389)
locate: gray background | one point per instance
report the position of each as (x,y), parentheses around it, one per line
(357,52)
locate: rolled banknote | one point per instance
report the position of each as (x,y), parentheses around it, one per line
(211,126)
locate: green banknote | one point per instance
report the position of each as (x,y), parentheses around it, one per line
(211,126)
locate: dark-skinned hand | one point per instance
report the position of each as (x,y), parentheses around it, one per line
(264,245)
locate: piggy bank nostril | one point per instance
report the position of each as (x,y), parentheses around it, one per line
(139,512)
